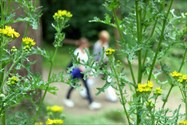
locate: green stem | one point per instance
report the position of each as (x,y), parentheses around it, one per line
(167,96)
(139,37)
(26,30)
(151,35)
(47,87)
(121,93)
(180,68)
(183,60)
(160,41)
(4,118)
(122,37)
(186,106)
(1,48)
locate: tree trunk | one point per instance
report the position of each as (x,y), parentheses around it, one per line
(37,36)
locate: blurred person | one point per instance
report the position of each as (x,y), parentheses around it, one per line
(99,46)
(76,73)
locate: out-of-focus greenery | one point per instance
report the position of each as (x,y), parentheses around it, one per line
(110,117)
(63,56)
(82,11)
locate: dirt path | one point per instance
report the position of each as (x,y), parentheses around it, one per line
(81,105)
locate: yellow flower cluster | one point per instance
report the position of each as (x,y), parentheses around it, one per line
(158,91)
(184,122)
(60,14)
(54,122)
(9,32)
(13,80)
(109,51)
(145,87)
(182,78)
(55,108)
(13,49)
(175,74)
(28,43)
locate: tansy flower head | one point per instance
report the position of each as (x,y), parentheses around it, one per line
(27,48)
(158,91)
(109,51)
(183,78)
(13,80)
(61,14)
(175,74)
(183,122)
(13,49)
(28,41)
(145,87)
(55,108)
(9,32)
(54,122)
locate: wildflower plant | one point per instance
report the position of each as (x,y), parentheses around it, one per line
(148,32)
(14,88)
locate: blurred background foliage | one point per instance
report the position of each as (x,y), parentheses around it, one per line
(82,11)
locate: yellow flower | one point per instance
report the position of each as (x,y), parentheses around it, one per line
(183,122)
(9,32)
(158,91)
(54,122)
(28,41)
(175,74)
(183,78)
(109,51)
(55,108)
(150,84)
(13,80)
(13,49)
(60,14)
(147,87)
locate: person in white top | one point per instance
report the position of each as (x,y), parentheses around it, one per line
(76,73)
(99,46)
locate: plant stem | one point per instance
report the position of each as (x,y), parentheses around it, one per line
(4,118)
(152,32)
(160,41)
(1,48)
(121,93)
(167,96)
(185,102)
(26,30)
(123,40)
(47,87)
(183,60)
(139,37)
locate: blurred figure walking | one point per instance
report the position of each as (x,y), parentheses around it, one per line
(76,73)
(99,46)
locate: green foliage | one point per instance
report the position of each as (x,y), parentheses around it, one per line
(82,11)
(148,34)
(15,88)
